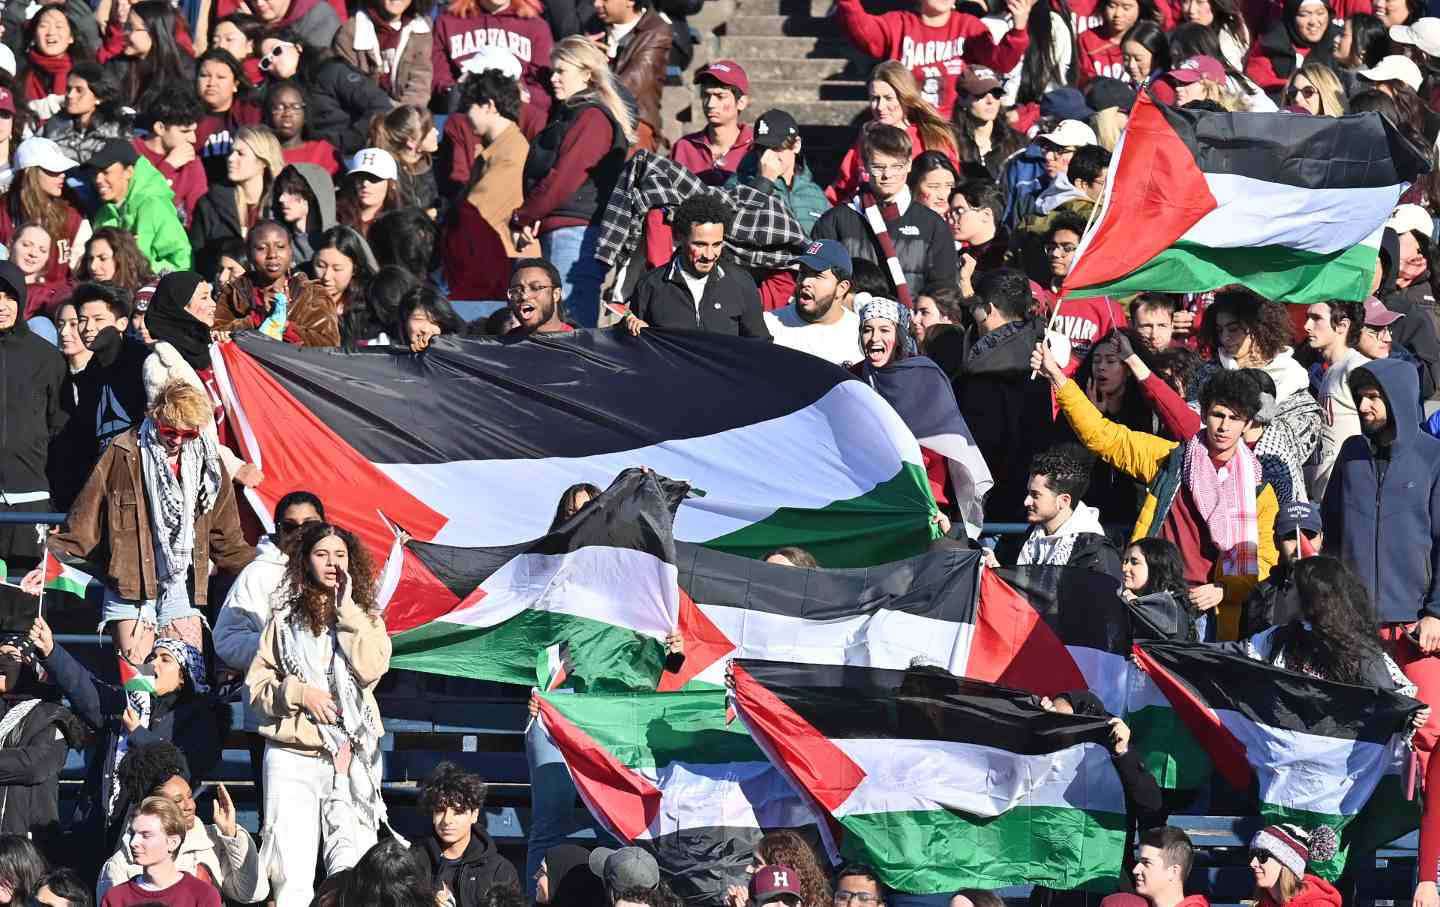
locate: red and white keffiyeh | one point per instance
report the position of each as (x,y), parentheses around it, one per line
(1227,505)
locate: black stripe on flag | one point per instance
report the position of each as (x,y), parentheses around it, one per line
(636,512)
(941,585)
(1359,151)
(564,395)
(1264,694)
(1083,607)
(843,702)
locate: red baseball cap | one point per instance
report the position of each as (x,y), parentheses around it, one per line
(7,101)
(726,72)
(770,882)
(1193,69)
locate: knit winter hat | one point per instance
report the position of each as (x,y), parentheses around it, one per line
(1294,846)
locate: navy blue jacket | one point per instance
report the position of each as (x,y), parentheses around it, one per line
(1389,533)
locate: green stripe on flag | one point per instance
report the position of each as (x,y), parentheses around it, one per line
(1274,272)
(887,523)
(1167,749)
(1045,845)
(505,653)
(654,731)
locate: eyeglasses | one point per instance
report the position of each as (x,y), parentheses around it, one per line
(279,107)
(860,897)
(885,169)
(518,293)
(1308,92)
(1260,855)
(1067,247)
(1056,150)
(1382,331)
(171,433)
(294,525)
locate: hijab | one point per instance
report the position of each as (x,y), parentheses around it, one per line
(571,882)
(167,319)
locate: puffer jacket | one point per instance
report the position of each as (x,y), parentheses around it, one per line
(310,318)
(280,697)
(342,102)
(234,863)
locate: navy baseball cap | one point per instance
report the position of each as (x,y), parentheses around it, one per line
(824,254)
(1298,515)
(1065,104)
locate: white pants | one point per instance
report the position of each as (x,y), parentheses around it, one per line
(298,790)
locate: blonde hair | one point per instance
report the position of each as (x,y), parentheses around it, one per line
(1108,124)
(266,147)
(581,53)
(1332,95)
(164,809)
(396,130)
(182,405)
(935,133)
(1222,95)
(1289,885)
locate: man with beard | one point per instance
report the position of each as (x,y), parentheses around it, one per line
(817,321)
(536,298)
(695,290)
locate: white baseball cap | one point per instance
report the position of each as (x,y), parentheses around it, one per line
(490,56)
(38,151)
(1423,33)
(1071,134)
(1394,67)
(376,162)
(1407,218)
(7,60)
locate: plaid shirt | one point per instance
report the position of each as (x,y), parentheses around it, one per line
(763,235)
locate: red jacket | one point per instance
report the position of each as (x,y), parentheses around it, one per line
(936,55)
(693,153)
(475,263)
(1098,58)
(188,183)
(1314,892)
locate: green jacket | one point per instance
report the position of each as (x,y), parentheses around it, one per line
(805,199)
(148,211)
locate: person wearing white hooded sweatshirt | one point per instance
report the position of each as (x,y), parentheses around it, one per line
(1067,531)
(250,601)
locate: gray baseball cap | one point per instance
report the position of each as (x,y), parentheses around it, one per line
(628,867)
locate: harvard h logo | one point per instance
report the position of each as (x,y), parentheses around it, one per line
(780,879)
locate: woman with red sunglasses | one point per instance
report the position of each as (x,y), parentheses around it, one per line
(157,510)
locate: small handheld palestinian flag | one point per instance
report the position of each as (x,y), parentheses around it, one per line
(137,679)
(553,667)
(64,579)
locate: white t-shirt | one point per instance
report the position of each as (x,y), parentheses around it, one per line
(838,343)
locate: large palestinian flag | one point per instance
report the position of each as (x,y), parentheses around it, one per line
(601,586)
(940,782)
(666,771)
(1290,206)
(1313,750)
(473,442)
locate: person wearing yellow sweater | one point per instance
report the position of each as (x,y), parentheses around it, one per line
(1205,493)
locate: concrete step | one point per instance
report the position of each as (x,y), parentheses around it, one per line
(769,26)
(796,71)
(780,47)
(784,8)
(821,113)
(780,92)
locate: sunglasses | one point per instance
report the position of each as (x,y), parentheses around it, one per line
(289,526)
(1261,856)
(171,433)
(996,93)
(1308,92)
(276,52)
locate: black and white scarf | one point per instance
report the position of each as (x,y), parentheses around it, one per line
(174,502)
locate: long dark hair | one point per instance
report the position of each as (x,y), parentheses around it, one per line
(351,244)
(1005,139)
(22,865)
(166,64)
(382,302)
(1369,41)
(391,874)
(1038,71)
(1341,637)
(311,603)
(1166,567)
(1227,18)
(1151,37)
(433,303)
(566,507)
(1135,410)
(132,268)
(1191,39)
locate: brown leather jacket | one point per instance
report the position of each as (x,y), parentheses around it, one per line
(107,533)
(640,63)
(310,316)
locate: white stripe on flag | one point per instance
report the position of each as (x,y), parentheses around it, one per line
(1255,212)
(829,451)
(923,775)
(724,795)
(885,639)
(1106,674)
(1310,771)
(620,586)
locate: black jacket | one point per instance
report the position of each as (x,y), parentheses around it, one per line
(922,243)
(1008,413)
(215,221)
(30,769)
(589,201)
(1272,603)
(110,400)
(481,868)
(31,375)
(729,305)
(341,100)
(1416,332)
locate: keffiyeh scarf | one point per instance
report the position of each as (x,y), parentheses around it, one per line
(192,664)
(878,307)
(1227,505)
(174,501)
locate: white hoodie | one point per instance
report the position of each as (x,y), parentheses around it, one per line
(1054,550)
(247,610)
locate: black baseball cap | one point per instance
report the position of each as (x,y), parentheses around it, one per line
(115,151)
(13,280)
(775,128)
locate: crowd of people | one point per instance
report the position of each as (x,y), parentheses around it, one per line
(333,174)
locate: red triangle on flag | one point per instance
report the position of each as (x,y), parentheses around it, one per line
(1157,192)
(705,644)
(1014,647)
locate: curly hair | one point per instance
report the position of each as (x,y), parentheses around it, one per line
(705,208)
(1066,468)
(1266,322)
(786,848)
(312,604)
(1341,637)
(1232,388)
(145,769)
(450,785)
